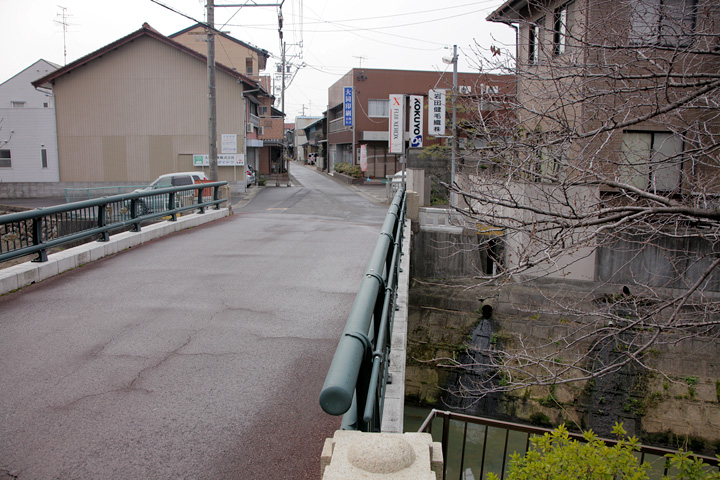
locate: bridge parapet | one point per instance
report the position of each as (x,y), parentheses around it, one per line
(390,456)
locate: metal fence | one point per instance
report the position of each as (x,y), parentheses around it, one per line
(88,193)
(35,231)
(355,383)
(474,446)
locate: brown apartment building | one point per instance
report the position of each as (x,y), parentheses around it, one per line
(373,88)
(628,84)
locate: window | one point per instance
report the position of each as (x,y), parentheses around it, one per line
(534,42)
(663,22)
(5,158)
(379,108)
(547,162)
(46,105)
(17,104)
(652,161)
(560,30)
(249,65)
(43,157)
(263,111)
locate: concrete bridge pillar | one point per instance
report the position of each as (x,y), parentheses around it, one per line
(352,455)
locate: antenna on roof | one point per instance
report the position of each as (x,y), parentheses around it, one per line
(65,25)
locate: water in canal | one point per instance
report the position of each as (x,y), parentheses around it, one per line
(470,466)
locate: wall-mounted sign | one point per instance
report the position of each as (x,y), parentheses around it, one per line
(436,109)
(348,106)
(228,142)
(224,160)
(396,124)
(417,115)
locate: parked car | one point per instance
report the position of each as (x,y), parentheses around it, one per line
(157,203)
(250,175)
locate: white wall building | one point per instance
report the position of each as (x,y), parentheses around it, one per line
(28,132)
(301,150)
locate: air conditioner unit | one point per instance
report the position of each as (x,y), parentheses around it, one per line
(261,130)
(249,127)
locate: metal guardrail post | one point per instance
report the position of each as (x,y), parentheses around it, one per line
(101,222)
(38,239)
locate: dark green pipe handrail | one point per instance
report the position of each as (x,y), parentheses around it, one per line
(355,383)
(95,217)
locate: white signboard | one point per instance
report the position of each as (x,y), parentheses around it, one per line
(396,124)
(224,160)
(436,109)
(228,143)
(417,115)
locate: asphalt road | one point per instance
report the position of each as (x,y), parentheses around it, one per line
(197,356)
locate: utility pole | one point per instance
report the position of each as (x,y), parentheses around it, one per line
(284,45)
(212,100)
(454,126)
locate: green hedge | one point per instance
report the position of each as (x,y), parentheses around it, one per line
(349,170)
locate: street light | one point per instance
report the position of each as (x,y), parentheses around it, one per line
(454,61)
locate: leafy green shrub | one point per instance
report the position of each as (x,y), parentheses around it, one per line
(555,456)
(349,170)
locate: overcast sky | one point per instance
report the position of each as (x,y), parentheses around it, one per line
(336,35)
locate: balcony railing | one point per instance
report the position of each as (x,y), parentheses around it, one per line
(337,125)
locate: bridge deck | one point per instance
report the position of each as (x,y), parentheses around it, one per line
(199,355)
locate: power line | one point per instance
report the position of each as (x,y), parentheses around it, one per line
(391,16)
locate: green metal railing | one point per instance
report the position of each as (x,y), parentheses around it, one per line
(355,383)
(35,231)
(474,446)
(77,194)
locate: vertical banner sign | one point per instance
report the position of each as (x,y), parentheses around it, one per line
(396,124)
(416,120)
(436,107)
(363,157)
(348,106)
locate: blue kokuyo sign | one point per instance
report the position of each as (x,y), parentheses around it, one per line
(348,106)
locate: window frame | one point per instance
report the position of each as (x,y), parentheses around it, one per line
(649,23)
(534,41)
(560,29)
(386,109)
(5,158)
(651,162)
(43,158)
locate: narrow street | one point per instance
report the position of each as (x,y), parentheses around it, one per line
(199,355)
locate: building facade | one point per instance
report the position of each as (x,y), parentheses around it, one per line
(137,108)
(28,139)
(617,120)
(371,90)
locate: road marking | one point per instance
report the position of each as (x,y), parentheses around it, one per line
(277,208)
